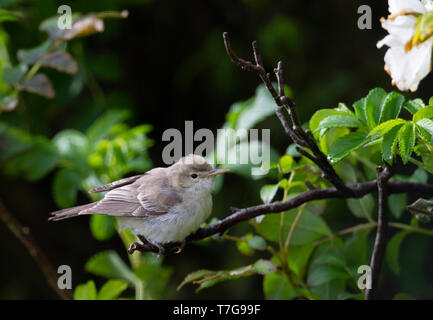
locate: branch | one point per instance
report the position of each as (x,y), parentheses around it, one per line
(295,131)
(357,191)
(23,234)
(377,256)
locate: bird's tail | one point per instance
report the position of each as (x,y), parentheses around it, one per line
(70,212)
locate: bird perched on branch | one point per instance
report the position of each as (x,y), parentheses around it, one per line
(163,205)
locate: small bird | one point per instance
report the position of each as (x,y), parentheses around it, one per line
(162,205)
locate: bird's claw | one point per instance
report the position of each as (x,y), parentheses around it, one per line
(180,248)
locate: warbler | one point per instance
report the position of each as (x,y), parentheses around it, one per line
(162,205)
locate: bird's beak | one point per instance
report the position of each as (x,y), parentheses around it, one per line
(216,172)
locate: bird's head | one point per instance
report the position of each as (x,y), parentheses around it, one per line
(193,172)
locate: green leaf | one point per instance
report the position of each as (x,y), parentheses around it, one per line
(339,121)
(359,107)
(427,125)
(30,56)
(346,144)
(413,106)
(322,114)
(102,227)
(101,127)
(72,145)
(287,163)
(397,204)
(355,248)
(309,228)
(298,257)
(385,127)
(363,207)
(14,75)
(86,291)
(391,106)
(392,251)
(208,278)
(257,242)
(321,274)
(268,192)
(36,162)
(426,112)
(108,264)
(10,15)
(276,287)
(373,106)
(112,289)
(389,144)
(247,113)
(406,141)
(65,186)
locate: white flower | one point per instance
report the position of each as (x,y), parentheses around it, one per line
(406,64)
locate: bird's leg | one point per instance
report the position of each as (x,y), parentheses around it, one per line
(161,249)
(180,247)
(142,239)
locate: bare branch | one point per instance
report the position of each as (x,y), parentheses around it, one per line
(357,191)
(378,254)
(295,132)
(23,234)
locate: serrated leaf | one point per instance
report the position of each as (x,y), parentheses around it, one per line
(339,121)
(392,251)
(112,289)
(383,128)
(359,107)
(426,112)
(413,106)
(389,143)
(102,126)
(286,163)
(373,106)
(391,106)
(346,144)
(406,141)
(39,84)
(322,114)
(426,129)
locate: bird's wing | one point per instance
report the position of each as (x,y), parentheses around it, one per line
(151,195)
(156,194)
(116,184)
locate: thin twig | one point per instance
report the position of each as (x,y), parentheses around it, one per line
(23,234)
(295,131)
(383,175)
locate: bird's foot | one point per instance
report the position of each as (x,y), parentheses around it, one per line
(180,247)
(134,247)
(161,250)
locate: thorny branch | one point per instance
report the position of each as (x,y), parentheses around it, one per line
(383,175)
(23,234)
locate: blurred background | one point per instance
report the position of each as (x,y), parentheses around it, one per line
(166,64)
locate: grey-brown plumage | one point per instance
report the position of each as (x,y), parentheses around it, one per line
(164,204)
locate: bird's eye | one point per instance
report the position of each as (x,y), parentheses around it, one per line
(193,175)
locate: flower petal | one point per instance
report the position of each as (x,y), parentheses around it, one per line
(396,6)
